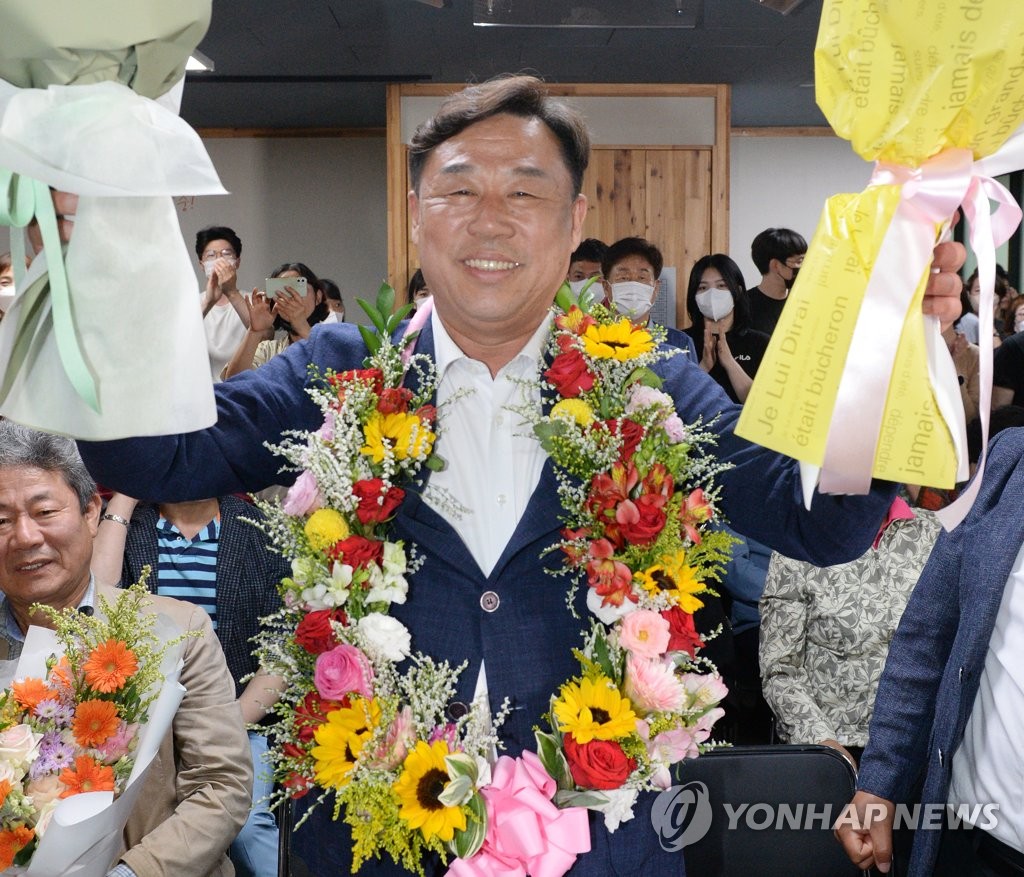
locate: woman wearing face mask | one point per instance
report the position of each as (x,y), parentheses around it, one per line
(727,348)
(290,313)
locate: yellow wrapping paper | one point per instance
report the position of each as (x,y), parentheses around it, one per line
(923,87)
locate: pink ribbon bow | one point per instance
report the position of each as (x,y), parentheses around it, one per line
(526,832)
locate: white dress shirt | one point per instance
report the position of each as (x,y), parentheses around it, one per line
(988,767)
(493,459)
(224,332)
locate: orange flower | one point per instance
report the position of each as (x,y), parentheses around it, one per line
(88,776)
(12,842)
(95,722)
(5,790)
(30,692)
(110,665)
(60,673)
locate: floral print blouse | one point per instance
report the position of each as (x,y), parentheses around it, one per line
(825,632)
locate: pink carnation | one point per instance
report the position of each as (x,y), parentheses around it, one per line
(342,671)
(645,633)
(120,743)
(642,396)
(674,429)
(652,686)
(303,496)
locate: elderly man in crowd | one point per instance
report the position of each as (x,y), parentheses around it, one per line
(496,212)
(197,792)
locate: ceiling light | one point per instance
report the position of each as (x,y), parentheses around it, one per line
(197,61)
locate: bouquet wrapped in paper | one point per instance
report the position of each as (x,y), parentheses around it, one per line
(80,723)
(856,382)
(89,99)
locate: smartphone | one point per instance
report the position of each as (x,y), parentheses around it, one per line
(276,285)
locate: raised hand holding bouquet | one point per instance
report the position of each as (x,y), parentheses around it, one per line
(79,724)
(854,382)
(364,719)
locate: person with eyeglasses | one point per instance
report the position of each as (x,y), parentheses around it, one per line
(778,254)
(225,314)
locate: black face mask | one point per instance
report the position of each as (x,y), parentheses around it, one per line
(789,283)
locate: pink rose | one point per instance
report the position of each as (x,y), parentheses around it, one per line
(342,671)
(645,633)
(303,496)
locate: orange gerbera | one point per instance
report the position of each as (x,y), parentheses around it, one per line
(12,842)
(30,692)
(88,775)
(5,790)
(96,721)
(60,673)
(110,665)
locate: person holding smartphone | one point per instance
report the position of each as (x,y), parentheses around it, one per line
(292,303)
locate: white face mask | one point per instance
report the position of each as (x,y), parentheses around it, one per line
(632,298)
(209,263)
(577,285)
(715,303)
(1018,326)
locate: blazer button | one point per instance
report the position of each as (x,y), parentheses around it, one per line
(456,710)
(489,601)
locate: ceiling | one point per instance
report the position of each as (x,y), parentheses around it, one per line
(325,63)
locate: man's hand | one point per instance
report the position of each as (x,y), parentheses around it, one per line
(865,831)
(225,275)
(942,294)
(64,205)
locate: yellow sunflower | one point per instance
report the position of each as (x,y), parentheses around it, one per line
(673,576)
(405,435)
(621,341)
(574,409)
(424,777)
(325,527)
(594,710)
(340,740)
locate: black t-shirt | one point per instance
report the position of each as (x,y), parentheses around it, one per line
(764,311)
(747,349)
(1008,366)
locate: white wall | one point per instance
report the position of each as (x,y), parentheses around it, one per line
(315,200)
(323,201)
(783,182)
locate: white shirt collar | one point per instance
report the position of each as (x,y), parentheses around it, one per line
(446,351)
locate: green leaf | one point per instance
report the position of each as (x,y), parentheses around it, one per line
(591,294)
(371,341)
(385,300)
(602,657)
(646,377)
(373,313)
(548,430)
(461,765)
(456,792)
(567,798)
(564,298)
(467,842)
(549,751)
(435,463)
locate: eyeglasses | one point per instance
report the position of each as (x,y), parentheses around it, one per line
(213,254)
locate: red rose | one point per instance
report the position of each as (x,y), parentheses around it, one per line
(569,374)
(426,413)
(630,431)
(315,633)
(374,506)
(297,785)
(640,522)
(599,764)
(682,632)
(290,750)
(357,551)
(394,400)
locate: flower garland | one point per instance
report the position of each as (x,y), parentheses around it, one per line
(77,729)
(354,725)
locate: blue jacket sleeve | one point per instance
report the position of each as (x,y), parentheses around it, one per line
(253,408)
(761,494)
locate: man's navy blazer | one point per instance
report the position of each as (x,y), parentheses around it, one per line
(527,640)
(935,661)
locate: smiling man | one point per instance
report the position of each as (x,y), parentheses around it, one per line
(496,211)
(197,790)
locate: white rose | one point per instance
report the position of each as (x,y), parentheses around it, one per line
(618,808)
(44,790)
(18,744)
(386,636)
(394,558)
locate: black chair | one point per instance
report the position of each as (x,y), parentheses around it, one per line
(793,795)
